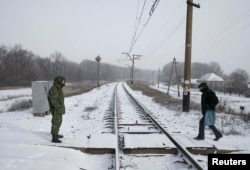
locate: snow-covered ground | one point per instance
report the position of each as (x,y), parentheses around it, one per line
(10,97)
(233,101)
(25,139)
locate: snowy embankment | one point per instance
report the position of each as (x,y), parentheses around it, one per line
(13,96)
(229,124)
(231,101)
(25,141)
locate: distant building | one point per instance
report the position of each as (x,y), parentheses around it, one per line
(214,81)
(248,85)
(194,83)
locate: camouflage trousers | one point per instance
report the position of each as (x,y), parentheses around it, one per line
(56,123)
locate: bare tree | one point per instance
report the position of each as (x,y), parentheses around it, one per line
(239,79)
(59,62)
(19,66)
(3,58)
(215,68)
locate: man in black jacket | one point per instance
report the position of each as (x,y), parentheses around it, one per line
(208,102)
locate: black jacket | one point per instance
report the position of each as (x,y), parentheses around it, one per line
(208,100)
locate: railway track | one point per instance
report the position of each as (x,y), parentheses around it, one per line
(133,122)
(133,137)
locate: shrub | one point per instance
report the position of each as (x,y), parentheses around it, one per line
(22,105)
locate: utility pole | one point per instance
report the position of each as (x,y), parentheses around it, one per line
(153,77)
(133,58)
(177,80)
(188,49)
(176,74)
(159,77)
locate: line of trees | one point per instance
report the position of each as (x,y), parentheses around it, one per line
(236,82)
(19,67)
(197,69)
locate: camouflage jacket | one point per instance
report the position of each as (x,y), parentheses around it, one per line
(56,96)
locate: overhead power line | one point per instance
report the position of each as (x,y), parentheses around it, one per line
(220,35)
(153,7)
(158,33)
(136,36)
(137,26)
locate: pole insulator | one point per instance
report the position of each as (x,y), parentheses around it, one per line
(195,5)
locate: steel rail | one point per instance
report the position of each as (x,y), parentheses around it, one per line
(117,161)
(183,151)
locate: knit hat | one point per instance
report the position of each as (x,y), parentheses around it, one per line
(202,85)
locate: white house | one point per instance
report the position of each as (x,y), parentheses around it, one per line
(213,80)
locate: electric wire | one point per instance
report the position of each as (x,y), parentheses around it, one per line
(222,39)
(218,36)
(150,15)
(163,27)
(137,14)
(137,26)
(135,37)
(168,37)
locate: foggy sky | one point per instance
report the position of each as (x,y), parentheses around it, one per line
(83,29)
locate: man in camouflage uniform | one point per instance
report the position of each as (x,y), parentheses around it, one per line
(57,107)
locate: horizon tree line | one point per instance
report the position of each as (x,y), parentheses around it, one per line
(19,67)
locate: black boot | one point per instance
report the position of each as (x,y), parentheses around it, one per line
(218,137)
(199,138)
(55,139)
(59,136)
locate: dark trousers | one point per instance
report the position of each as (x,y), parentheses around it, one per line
(202,129)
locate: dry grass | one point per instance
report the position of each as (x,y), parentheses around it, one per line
(229,120)
(69,90)
(78,88)
(25,104)
(158,97)
(162,98)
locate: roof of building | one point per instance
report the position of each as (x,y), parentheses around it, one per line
(210,77)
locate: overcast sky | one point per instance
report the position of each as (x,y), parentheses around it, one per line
(83,29)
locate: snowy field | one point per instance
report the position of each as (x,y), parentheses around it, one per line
(233,101)
(10,97)
(25,139)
